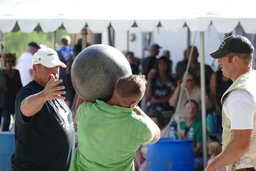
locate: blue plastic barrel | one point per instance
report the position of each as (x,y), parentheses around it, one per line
(6,150)
(170,155)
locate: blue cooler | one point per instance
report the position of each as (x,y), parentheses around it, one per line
(7,148)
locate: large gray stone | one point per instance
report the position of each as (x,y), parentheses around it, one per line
(95,71)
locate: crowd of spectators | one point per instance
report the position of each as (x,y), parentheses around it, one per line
(166,91)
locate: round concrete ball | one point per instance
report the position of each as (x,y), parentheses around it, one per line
(95,71)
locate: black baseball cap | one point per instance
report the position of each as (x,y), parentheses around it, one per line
(233,44)
(154,46)
(33,44)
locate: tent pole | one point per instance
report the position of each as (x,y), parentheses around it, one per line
(1,47)
(1,43)
(128,41)
(54,40)
(110,36)
(202,78)
(84,36)
(188,37)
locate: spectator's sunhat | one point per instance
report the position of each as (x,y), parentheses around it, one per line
(233,44)
(47,57)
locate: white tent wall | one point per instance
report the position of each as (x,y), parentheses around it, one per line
(175,42)
(137,45)
(178,42)
(252,37)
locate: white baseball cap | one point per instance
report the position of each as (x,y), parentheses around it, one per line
(47,57)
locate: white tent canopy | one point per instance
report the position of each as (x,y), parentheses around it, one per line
(97,15)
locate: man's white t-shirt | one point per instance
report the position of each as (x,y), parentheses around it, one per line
(240,107)
(24,65)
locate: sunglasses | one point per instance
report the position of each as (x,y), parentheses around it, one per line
(190,80)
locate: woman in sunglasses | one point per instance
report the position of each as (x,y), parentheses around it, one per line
(13,84)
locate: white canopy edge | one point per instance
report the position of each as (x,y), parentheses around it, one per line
(99,26)
(97,15)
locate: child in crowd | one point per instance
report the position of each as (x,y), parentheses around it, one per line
(214,149)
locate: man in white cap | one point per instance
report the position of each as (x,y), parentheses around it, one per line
(44,131)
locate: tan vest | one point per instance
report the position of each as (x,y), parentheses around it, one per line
(245,82)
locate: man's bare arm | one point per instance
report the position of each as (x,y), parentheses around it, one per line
(235,149)
(34,103)
(156,128)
